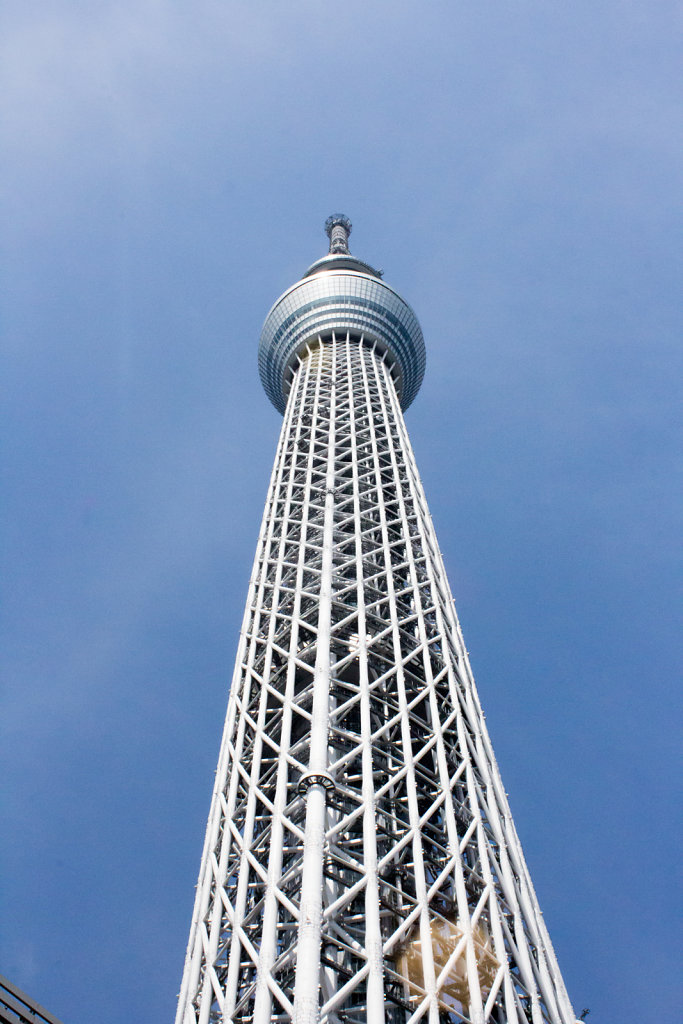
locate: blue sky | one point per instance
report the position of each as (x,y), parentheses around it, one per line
(515,169)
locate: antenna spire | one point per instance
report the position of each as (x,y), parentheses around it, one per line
(338,228)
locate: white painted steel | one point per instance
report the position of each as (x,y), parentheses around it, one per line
(358,810)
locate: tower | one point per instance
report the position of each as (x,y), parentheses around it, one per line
(361,865)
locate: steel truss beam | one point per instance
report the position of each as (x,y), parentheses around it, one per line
(360,862)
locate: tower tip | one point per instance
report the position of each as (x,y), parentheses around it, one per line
(338,229)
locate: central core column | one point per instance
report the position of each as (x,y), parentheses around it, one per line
(317,780)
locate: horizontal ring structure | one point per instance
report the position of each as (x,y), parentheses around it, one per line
(341,301)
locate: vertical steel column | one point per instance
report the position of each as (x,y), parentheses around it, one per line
(317,779)
(373,941)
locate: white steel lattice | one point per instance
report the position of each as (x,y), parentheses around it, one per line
(360,863)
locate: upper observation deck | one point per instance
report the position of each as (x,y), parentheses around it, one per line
(340,293)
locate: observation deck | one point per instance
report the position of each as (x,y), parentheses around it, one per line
(341,293)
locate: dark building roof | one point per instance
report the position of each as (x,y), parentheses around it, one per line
(18,1008)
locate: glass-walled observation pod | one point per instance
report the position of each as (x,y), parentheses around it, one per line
(340,293)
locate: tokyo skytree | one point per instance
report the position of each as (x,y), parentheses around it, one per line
(361,864)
